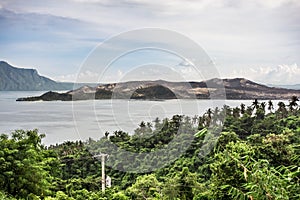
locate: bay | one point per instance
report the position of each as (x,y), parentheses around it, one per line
(79,120)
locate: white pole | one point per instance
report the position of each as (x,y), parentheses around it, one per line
(103,181)
(103,171)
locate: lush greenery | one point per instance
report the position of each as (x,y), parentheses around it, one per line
(257,156)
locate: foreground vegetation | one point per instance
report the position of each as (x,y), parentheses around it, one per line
(257,156)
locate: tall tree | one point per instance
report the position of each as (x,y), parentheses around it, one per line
(243,108)
(293,103)
(282,109)
(255,104)
(270,106)
(24,163)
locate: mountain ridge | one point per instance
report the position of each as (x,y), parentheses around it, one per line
(16,79)
(22,79)
(237,88)
(12,78)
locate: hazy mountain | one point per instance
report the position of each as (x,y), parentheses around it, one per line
(294,87)
(19,79)
(238,88)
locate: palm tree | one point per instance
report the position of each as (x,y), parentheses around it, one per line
(236,112)
(201,122)
(243,108)
(141,129)
(176,121)
(149,125)
(281,109)
(157,120)
(187,119)
(263,105)
(293,102)
(106,134)
(195,118)
(249,110)
(157,124)
(260,112)
(270,106)
(255,104)
(216,111)
(207,117)
(209,113)
(227,110)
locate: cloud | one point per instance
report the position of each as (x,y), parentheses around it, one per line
(173,7)
(278,3)
(83,77)
(235,33)
(40,27)
(53,44)
(281,74)
(186,63)
(91,77)
(120,73)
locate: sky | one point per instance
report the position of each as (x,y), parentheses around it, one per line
(254,39)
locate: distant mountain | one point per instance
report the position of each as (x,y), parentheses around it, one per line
(12,78)
(294,87)
(238,88)
(19,79)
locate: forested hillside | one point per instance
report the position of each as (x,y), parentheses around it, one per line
(257,156)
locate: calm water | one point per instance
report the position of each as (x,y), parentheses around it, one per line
(62,121)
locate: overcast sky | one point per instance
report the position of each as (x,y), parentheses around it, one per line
(255,39)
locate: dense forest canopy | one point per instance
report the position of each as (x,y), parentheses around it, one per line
(256,156)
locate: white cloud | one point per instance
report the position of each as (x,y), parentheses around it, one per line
(173,7)
(120,73)
(89,1)
(91,77)
(236,33)
(281,74)
(186,63)
(277,3)
(83,77)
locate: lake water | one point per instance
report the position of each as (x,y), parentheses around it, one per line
(62,121)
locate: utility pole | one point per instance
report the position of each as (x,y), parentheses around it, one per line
(103,181)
